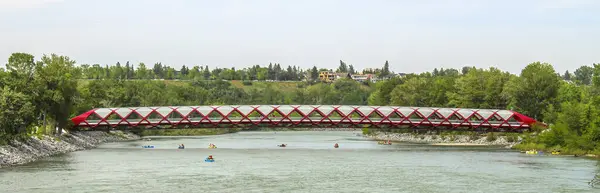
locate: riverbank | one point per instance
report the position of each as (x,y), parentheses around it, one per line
(447,140)
(34,148)
(303,129)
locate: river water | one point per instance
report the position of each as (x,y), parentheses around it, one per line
(251,162)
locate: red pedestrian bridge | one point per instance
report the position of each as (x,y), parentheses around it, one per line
(321,116)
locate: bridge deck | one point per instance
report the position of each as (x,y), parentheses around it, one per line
(316,115)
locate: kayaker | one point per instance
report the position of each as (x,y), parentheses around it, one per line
(210,157)
(336,145)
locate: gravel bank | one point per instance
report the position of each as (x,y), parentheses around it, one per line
(21,152)
(307,129)
(458,140)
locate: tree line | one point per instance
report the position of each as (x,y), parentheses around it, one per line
(256,72)
(47,92)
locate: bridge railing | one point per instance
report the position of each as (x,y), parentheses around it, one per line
(317,115)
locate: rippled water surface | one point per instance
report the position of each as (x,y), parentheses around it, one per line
(251,162)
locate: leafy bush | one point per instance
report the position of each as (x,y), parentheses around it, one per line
(511,138)
(365,131)
(247,83)
(529,146)
(491,136)
(452,137)
(473,136)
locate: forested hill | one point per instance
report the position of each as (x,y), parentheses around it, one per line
(53,89)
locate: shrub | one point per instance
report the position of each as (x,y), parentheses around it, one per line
(529,146)
(491,136)
(511,138)
(452,137)
(365,131)
(247,83)
(473,136)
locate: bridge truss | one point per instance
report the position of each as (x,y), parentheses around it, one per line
(322,116)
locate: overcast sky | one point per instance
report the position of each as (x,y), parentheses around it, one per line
(414,35)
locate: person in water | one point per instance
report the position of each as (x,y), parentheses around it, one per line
(336,145)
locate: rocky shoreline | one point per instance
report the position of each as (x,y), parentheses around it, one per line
(21,152)
(454,140)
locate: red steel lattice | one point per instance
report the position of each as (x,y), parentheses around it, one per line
(378,116)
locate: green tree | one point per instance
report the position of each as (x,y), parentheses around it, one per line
(534,90)
(583,75)
(412,93)
(17,112)
(479,89)
(142,71)
(314,73)
(350,69)
(59,76)
(385,71)
(21,70)
(381,95)
(567,76)
(342,68)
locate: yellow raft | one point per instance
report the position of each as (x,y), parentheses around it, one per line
(532,152)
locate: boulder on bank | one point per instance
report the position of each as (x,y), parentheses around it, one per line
(34,148)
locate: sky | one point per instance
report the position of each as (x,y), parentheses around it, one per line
(414,36)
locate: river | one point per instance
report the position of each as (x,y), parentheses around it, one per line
(251,162)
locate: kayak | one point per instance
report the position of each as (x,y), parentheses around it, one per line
(181,147)
(384,143)
(212,147)
(532,152)
(281,145)
(148,146)
(209,160)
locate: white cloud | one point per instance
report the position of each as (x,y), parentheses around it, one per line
(16,4)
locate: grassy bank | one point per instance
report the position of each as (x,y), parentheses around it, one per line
(187,132)
(563,150)
(450,135)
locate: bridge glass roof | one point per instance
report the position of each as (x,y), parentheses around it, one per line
(300,114)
